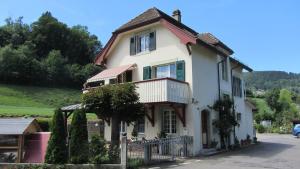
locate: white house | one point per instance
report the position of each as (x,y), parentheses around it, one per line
(179,73)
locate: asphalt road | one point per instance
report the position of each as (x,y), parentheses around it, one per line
(274,152)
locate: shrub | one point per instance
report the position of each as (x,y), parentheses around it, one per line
(44,123)
(134,163)
(98,151)
(236,143)
(79,138)
(57,149)
(260,128)
(114,154)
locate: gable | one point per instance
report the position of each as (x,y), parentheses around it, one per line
(184,36)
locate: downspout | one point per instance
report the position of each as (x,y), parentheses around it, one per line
(219,85)
(219,93)
(232,96)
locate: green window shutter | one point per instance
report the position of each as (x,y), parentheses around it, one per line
(147,72)
(180,70)
(132,46)
(152,44)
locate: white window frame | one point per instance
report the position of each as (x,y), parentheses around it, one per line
(144,37)
(224,70)
(171,121)
(169,73)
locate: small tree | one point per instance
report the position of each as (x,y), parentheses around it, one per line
(57,150)
(79,138)
(226,120)
(118,102)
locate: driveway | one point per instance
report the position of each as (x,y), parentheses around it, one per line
(274,152)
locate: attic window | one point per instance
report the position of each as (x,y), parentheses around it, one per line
(142,43)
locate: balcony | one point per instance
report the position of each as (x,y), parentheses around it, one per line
(163,90)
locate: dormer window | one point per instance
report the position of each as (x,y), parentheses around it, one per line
(142,43)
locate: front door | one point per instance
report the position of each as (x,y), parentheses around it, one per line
(204,122)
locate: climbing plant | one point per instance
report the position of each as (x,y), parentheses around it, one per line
(226,120)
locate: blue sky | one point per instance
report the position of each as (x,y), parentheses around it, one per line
(264,34)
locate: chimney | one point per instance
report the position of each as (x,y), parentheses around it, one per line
(177,15)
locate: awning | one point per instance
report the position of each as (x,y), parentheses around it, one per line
(110,73)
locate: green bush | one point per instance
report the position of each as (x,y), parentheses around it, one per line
(134,163)
(98,151)
(260,128)
(44,123)
(79,147)
(57,150)
(114,154)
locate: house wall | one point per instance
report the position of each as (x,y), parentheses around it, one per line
(168,49)
(201,73)
(205,92)
(246,123)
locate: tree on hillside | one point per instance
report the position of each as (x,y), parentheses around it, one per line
(54,65)
(272,98)
(79,147)
(28,52)
(116,102)
(57,150)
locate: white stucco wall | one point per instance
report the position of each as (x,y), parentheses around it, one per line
(201,74)
(168,49)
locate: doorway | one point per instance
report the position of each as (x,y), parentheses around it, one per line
(205,128)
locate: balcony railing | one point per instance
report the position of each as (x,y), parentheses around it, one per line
(163,90)
(160,91)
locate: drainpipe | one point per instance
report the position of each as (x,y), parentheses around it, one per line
(232,96)
(219,91)
(219,85)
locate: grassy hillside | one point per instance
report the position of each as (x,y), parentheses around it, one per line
(34,101)
(273,79)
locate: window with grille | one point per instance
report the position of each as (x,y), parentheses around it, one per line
(237,86)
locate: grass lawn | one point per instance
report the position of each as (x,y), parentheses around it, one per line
(16,101)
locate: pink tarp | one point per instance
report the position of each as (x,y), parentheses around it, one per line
(36,147)
(110,73)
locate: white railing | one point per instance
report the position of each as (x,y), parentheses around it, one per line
(163,90)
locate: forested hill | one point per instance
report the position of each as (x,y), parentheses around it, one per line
(46,52)
(273,79)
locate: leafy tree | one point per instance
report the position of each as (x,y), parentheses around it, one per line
(79,138)
(57,150)
(118,102)
(47,52)
(272,98)
(54,65)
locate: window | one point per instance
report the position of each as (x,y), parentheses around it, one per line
(142,43)
(112,81)
(169,121)
(239,116)
(237,86)
(166,71)
(140,124)
(224,70)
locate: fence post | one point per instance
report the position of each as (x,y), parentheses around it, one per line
(124,152)
(184,146)
(147,153)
